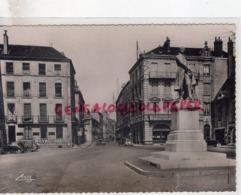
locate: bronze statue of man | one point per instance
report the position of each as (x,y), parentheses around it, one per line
(185,80)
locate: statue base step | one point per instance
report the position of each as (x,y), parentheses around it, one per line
(175,160)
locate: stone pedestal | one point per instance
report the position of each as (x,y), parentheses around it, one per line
(186,147)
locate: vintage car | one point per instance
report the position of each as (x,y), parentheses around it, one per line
(13,147)
(28,145)
(100,142)
(128,143)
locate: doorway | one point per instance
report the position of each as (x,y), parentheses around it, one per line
(220,135)
(11,134)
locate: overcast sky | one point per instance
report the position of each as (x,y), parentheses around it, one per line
(104,54)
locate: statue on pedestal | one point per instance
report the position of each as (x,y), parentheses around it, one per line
(185,81)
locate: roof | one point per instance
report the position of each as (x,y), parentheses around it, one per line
(228,88)
(25,52)
(173,51)
(122,90)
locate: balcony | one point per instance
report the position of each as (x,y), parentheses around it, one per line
(43,119)
(162,75)
(27,119)
(11,119)
(59,119)
(158,117)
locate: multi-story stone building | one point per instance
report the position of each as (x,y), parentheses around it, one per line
(223,113)
(93,125)
(108,127)
(79,114)
(122,115)
(152,83)
(38,83)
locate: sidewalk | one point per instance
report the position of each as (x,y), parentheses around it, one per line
(81,146)
(86,144)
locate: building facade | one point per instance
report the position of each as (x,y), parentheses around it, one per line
(122,114)
(79,115)
(152,83)
(108,127)
(223,115)
(38,83)
(93,125)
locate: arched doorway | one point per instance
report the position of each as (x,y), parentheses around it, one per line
(160,133)
(206,131)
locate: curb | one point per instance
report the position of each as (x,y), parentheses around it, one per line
(182,172)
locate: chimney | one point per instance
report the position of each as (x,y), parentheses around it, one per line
(5,43)
(166,45)
(218,47)
(231,61)
(230,47)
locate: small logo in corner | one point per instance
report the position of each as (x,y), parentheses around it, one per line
(26,178)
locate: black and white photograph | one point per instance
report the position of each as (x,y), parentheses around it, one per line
(118,108)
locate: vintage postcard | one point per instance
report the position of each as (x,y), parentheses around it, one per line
(118,108)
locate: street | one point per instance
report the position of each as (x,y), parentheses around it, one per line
(93,169)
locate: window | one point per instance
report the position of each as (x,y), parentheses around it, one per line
(11,112)
(206,109)
(206,70)
(35,133)
(19,133)
(28,133)
(27,112)
(42,89)
(58,112)
(42,70)
(167,89)
(26,89)
(10,89)
(43,113)
(11,108)
(57,67)
(9,68)
(26,67)
(140,92)
(43,130)
(58,90)
(154,87)
(206,89)
(59,131)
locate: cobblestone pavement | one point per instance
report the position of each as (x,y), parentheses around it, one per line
(94,169)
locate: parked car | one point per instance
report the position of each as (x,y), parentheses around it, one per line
(28,145)
(13,147)
(128,143)
(100,142)
(1,151)
(121,141)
